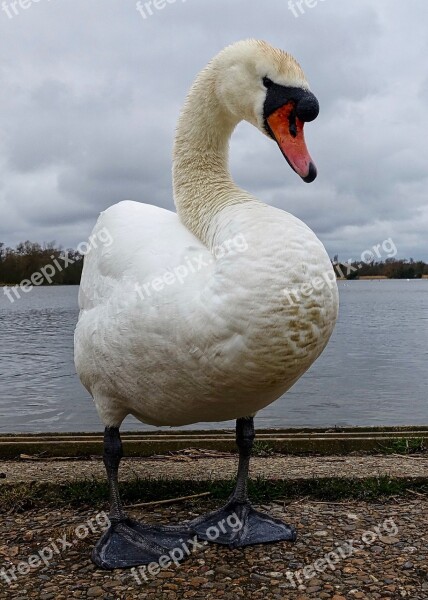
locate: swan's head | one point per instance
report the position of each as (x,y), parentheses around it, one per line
(267,87)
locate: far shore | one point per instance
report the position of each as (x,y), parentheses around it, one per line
(381,278)
(362,278)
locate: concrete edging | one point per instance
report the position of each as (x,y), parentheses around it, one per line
(287,441)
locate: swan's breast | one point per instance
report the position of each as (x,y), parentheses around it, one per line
(280,294)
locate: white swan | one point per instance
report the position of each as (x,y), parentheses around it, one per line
(214,312)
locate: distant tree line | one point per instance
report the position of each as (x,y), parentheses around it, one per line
(390,268)
(48,264)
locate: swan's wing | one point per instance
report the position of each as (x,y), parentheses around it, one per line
(136,244)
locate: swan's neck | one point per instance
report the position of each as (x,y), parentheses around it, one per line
(202,183)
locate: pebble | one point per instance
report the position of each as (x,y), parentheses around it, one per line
(197,581)
(388,540)
(95,592)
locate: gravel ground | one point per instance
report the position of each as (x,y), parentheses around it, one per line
(388,562)
(205,467)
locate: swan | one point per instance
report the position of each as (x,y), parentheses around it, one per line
(213,312)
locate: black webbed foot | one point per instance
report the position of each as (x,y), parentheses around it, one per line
(238,524)
(127,543)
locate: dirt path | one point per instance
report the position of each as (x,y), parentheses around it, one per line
(206,467)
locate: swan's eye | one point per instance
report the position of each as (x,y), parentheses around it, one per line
(267,82)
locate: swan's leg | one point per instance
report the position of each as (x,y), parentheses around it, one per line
(238,523)
(113,453)
(127,543)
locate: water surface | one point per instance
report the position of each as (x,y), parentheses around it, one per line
(373,372)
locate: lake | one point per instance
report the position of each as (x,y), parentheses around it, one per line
(373,372)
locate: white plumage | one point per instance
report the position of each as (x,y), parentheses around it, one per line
(224,340)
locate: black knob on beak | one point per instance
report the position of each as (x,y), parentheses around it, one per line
(307,108)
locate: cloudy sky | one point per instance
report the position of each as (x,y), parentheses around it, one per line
(90,92)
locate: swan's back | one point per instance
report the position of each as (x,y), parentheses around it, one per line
(133,243)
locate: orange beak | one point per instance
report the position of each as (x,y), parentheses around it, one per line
(287,130)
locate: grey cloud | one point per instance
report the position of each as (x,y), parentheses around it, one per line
(90,93)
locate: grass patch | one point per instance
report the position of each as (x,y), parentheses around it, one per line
(411,445)
(93,492)
(262,448)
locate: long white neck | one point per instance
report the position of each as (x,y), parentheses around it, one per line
(202,182)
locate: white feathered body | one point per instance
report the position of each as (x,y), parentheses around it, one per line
(224,342)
